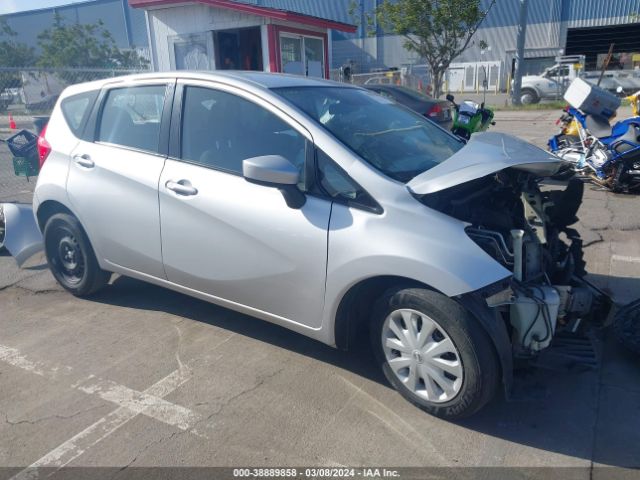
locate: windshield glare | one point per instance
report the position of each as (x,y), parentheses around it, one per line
(395,140)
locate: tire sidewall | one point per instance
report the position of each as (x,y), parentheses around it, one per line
(67,223)
(462,328)
(528,94)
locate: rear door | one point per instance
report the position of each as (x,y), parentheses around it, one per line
(114,173)
(229,238)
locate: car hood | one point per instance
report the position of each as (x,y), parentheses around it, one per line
(484,154)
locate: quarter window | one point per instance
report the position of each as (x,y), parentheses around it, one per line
(339,186)
(220,130)
(131,117)
(76,108)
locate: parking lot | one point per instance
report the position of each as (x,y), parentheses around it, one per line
(141,376)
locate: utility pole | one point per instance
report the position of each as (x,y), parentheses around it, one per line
(522,34)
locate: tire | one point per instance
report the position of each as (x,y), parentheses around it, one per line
(473,367)
(71,257)
(528,96)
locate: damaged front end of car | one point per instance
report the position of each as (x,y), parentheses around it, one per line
(495,188)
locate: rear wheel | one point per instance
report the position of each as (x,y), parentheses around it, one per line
(434,352)
(71,257)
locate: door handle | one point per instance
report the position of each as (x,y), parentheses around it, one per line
(181,187)
(84,160)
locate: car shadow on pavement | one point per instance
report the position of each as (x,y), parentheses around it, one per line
(131,293)
(586,413)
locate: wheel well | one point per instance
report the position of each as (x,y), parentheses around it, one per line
(530,89)
(49,209)
(356,305)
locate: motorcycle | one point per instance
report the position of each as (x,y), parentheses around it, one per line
(608,155)
(469,117)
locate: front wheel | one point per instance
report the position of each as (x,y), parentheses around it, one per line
(529,97)
(434,352)
(70,256)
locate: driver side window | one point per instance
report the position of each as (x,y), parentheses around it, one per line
(220,130)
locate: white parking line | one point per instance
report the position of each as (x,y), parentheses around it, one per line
(142,402)
(14,357)
(150,404)
(130,403)
(625,258)
(68,451)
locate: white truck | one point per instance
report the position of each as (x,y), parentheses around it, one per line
(553,82)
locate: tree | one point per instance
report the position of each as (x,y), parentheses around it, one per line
(437,30)
(12,52)
(83,46)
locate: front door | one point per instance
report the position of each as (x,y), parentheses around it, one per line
(226,237)
(113,181)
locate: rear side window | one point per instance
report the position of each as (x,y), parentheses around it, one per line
(76,109)
(131,117)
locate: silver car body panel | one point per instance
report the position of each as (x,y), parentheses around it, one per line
(237,244)
(240,241)
(486,153)
(22,236)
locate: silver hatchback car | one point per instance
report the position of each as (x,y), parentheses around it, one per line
(322,207)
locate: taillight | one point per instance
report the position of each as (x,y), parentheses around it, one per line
(435,110)
(44,148)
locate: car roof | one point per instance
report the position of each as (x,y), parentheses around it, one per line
(262,79)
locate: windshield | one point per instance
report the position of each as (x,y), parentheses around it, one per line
(395,140)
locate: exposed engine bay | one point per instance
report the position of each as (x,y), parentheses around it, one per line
(527,230)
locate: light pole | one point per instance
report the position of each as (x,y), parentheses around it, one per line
(522,33)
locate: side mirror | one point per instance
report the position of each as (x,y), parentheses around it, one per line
(450,97)
(275,171)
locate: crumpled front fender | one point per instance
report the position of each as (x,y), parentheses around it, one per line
(22,237)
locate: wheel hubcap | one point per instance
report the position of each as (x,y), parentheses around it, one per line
(68,258)
(68,252)
(422,356)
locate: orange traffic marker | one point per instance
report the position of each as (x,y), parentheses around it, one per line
(12,123)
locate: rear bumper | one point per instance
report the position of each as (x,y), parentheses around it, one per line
(22,235)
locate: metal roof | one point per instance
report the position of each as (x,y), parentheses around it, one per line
(254,9)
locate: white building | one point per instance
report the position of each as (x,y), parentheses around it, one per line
(227,35)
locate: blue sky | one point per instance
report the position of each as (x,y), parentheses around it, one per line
(13,6)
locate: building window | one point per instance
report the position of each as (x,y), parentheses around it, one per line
(191,52)
(238,49)
(302,55)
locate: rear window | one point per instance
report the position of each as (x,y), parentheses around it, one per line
(76,109)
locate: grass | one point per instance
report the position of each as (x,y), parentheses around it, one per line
(555,105)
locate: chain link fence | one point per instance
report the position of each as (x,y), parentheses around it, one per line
(27,96)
